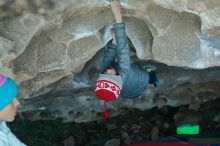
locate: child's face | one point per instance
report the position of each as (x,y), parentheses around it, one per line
(9,112)
(110,71)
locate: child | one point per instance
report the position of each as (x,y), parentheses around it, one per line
(122,78)
(8,106)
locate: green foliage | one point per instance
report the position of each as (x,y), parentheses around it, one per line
(54,132)
(42,133)
(143,122)
(99,139)
(208,114)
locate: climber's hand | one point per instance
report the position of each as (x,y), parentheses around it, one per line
(116,10)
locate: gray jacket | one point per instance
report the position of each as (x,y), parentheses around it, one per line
(134,79)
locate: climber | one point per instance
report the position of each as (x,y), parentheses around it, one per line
(8,106)
(121,78)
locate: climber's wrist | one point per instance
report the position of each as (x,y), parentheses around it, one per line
(118,18)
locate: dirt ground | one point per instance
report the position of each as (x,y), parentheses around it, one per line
(133,126)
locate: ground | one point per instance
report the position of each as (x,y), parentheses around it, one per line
(133,127)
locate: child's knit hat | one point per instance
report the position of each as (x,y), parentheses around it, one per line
(108,88)
(8,91)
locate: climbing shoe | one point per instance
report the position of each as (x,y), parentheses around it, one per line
(149,67)
(152,76)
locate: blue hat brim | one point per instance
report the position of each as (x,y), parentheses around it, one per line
(8,92)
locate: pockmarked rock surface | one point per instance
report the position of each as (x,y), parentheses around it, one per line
(53,50)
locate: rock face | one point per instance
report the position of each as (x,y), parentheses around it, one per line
(53,50)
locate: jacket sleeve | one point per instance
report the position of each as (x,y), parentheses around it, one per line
(123,50)
(3,139)
(3,143)
(7,138)
(108,57)
(12,139)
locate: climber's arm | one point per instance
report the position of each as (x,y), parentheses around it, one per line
(109,56)
(123,53)
(116,10)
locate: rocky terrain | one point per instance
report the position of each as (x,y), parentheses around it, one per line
(132,126)
(53,49)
